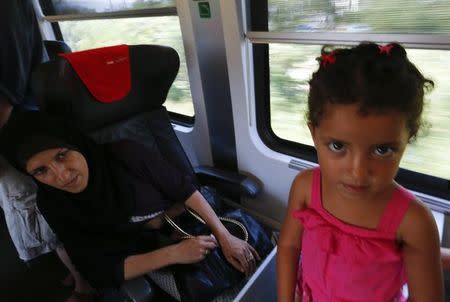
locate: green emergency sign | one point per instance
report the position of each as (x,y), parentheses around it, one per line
(204,10)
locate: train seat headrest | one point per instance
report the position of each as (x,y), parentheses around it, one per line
(61,91)
(104,71)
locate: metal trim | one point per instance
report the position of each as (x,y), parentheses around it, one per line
(435,203)
(301,165)
(422,41)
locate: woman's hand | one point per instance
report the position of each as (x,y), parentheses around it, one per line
(195,249)
(184,252)
(239,253)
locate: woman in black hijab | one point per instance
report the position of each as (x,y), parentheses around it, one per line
(100,200)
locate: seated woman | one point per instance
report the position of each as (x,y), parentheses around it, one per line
(101,201)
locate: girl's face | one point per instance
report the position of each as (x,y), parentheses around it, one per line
(61,168)
(359,155)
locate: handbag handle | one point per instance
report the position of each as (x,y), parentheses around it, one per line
(169,220)
(186,235)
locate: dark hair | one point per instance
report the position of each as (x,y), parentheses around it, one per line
(378,78)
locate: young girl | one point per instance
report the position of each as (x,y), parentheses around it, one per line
(361,236)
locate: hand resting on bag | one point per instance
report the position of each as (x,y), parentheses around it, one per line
(195,249)
(239,253)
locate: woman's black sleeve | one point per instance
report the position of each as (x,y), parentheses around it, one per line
(99,259)
(101,266)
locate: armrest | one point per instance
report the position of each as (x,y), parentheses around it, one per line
(232,182)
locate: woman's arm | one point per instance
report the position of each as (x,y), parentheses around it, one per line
(187,251)
(289,243)
(421,252)
(198,203)
(178,187)
(238,252)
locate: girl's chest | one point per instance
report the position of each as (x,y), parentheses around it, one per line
(362,214)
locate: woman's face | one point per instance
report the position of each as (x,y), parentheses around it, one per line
(61,168)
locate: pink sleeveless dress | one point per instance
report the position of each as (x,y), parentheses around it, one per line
(345,263)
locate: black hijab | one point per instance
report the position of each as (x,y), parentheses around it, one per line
(101,206)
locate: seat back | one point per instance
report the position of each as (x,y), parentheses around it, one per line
(139,116)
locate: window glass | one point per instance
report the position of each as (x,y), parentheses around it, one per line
(291,67)
(378,16)
(66,7)
(81,35)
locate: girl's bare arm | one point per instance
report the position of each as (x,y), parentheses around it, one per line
(421,249)
(289,243)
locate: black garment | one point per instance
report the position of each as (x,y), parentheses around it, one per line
(125,179)
(21,49)
(150,178)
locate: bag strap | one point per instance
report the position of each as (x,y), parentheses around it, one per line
(186,235)
(221,218)
(172,223)
(239,224)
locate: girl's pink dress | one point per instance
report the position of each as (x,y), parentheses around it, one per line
(345,263)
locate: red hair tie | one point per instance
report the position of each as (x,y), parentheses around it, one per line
(386,49)
(328,58)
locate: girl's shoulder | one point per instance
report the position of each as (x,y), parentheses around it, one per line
(304,177)
(301,188)
(417,223)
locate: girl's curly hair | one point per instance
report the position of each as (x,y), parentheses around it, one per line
(378,78)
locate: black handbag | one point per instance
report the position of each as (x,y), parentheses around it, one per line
(205,280)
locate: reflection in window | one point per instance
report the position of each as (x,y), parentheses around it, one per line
(291,67)
(378,16)
(81,35)
(66,7)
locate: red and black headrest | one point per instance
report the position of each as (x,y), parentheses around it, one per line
(102,86)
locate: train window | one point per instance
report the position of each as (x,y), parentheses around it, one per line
(90,24)
(287,37)
(359,16)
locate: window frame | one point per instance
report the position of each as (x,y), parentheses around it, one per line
(259,37)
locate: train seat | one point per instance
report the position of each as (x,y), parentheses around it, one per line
(136,113)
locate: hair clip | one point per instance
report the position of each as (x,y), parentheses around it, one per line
(386,48)
(328,58)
